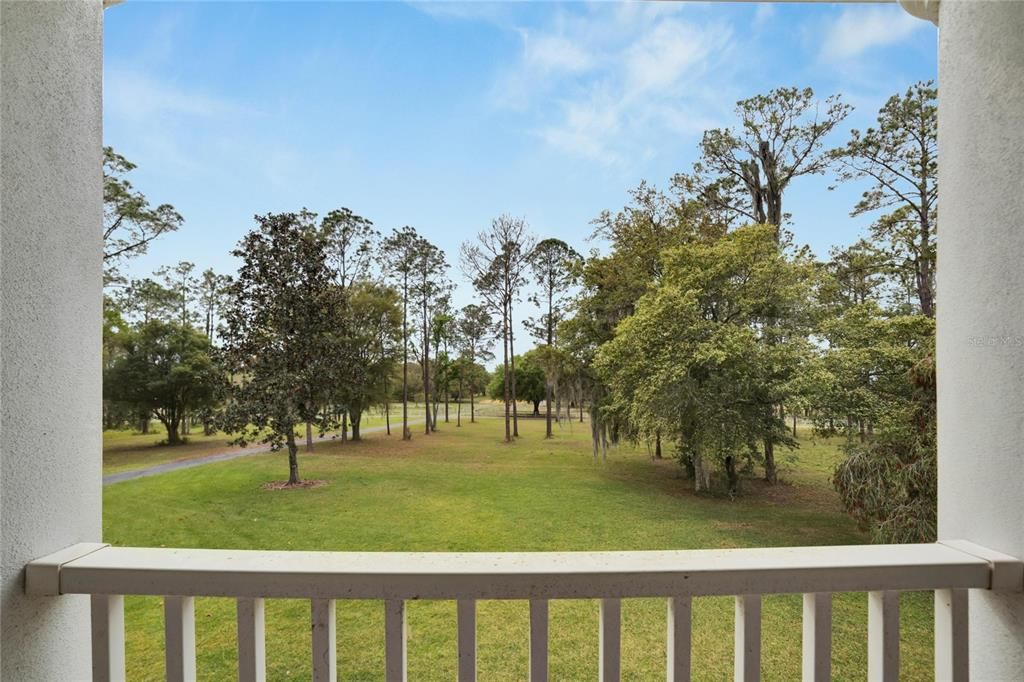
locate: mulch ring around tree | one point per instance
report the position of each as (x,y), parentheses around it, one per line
(285,485)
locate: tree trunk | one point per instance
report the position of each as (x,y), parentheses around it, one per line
(357,418)
(547,408)
(445,404)
(536,411)
(144,424)
(504,335)
(406,433)
(731,475)
(344,426)
(770,472)
(309,436)
(173,434)
(794,424)
(387,417)
(293,459)
(458,406)
(512,354)
(472,409)
(657,445)
(428,427)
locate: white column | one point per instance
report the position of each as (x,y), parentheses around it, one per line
(50,312)
(981,306)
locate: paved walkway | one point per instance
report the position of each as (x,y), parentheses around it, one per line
(224,456)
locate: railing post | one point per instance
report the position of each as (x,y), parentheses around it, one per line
(679,637)
(180,638)
(610,641)
(325,649)
(252,663)
(883,636)
(108,638)
(817,637)
(538,640)
(748,638)
(395,641)
(467,640)
(951,643)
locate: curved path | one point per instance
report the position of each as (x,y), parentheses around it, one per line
(233,453)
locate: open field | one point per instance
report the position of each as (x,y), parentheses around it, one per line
(126,450)
(462,489)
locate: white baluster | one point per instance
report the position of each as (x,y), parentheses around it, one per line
(180,638)
(108,638)
(883,636)
(747,665)
(679,634)
(252,661)
(394,641)
(817,644)
(467,640)
(538,640)
(610,640)
(325,651)
(951,656)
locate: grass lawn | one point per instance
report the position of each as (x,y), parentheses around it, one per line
(125,450)
(462,489)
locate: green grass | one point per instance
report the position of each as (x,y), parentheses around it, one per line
(462,489)
(126,450)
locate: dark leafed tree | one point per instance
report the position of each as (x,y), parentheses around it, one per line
(553,263)
(276,334)
(398,258)
(146,299)
(496,264)
(900,159)
(129,222)
(743,172)
(476,329)
(430,286)
(165,370)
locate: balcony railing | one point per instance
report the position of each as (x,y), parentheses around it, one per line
(950,569)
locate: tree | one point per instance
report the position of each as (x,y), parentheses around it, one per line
(167,371)
(553,263)
(146,299)
(180,280)
(352,241)
(476,329)
(129,222)
(529,379)
(398,256)
(713,349)
(496,265)
(212,288)
(744,172)
(430,286)
(900,158)
(277,327)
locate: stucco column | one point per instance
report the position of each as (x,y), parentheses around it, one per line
(981,306)
(50,312)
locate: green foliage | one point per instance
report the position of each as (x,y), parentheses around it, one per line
(166,370)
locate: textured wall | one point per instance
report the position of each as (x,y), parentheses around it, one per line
(981,305)
(50,311)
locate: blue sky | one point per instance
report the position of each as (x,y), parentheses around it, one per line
(444,115)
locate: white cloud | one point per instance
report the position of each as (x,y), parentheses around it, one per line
(137,96)
(859,29)
(617,76)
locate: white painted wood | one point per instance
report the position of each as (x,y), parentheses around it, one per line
(107,638)
(747,656)
(395,653)
(817,638)
(680,621)
(538,640)
(883,636)
(466,609)
(252,660)
(1007,571)
(180,638)
(534,575)
(610,641)
(951,632)
(325,649)
(42,576)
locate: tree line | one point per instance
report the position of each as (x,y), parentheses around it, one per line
(704,330)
